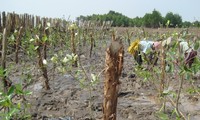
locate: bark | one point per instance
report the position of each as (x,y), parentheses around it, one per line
(73,47)
(4,19)
(114,65)
(162,83)
(113,35)
(84,37)
(17,45)
(91,44)
(42,66)
(5,82)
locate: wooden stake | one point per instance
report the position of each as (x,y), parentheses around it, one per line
(162,83)
(91,43)
(114,65)
(17,45)
(4,19)
(128,37)
(73,47)
(42,66)
(113,35)
(3,60)
(84,37)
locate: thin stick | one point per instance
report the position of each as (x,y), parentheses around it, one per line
(174,104)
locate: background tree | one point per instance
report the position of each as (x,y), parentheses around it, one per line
(156,18)
(186,24)
(151,20)
(147,20)
(175,19)
(196,24)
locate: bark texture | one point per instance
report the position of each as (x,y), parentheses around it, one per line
(114,66)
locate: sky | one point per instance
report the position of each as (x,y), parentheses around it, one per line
(188,9)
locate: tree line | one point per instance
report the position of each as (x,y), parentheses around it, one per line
(150,20)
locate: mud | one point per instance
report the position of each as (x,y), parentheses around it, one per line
(67,100)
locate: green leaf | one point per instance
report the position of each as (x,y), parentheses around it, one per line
(94,77)
(166,92)
(18,88)
(196,46)
(6,101)
(36,47)
(31,40)
(175,112)
(187,69)
(163,116)
(44,38)
(1,72)
(82,85)
(12,111)
(11,90)
(188,76)
(19,105)
(182,72)
(48,24)
(27,92)
(174,46)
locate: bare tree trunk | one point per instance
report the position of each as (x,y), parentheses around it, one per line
(179,94)
(162,83)
(4,19)
(17,45)
(91,44)
(45,50)
(3,60)
(73,47)
(128,37)
(42,66)
(114,65)
(113,35)
(84,37)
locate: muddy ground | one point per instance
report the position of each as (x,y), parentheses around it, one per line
(67,100)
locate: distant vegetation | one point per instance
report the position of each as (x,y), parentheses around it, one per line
(150,20)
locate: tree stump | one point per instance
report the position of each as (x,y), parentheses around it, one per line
(114,65)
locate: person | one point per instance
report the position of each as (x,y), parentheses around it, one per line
(188,52)
(144,49)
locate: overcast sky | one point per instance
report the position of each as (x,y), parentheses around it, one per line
(188,9)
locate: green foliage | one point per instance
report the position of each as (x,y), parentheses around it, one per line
(162,116)
(175,19)
(196,45)
(186,24)
(152,20)
(196,24)
(14,109)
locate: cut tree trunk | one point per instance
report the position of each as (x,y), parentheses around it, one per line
(18,45)
(5,82)
(73,47)
(114,65)
(91,44)
(42,66)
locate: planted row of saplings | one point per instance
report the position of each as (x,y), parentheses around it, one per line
(39,38)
